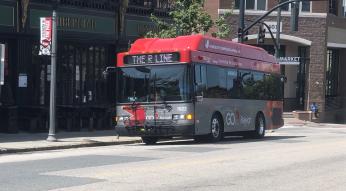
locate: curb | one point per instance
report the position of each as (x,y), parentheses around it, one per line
(48,148)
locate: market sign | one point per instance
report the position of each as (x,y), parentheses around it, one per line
(289,60)
(157,58)
(46,36)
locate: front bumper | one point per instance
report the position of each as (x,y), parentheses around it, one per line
(159,131)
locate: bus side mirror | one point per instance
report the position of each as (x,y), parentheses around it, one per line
(199,98)
(107,72)
(109,80)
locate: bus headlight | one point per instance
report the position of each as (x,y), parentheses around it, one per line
(122,118)
(182,117)
(178,116)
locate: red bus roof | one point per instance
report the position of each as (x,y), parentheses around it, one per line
(186,45)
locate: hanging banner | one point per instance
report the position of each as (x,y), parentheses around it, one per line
(46,36)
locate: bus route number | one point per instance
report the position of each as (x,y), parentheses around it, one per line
(151,58)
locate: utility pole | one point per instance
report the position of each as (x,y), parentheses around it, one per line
(51,135)
(241,21)
(278,27)
(242,30)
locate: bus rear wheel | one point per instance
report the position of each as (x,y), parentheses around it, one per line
(216,127)
(150,140)
(260,127)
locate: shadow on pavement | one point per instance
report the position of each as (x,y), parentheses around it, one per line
(226,140)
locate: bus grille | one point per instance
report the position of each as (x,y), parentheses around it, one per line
(159,123)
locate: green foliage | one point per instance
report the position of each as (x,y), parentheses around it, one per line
(188,17)
(223,27)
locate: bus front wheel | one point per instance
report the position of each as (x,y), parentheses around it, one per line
(216,126)
(150,140)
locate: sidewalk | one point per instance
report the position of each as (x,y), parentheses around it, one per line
(302,123)
(27,142)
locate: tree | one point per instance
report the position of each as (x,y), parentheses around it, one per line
(223,27)
(187,17)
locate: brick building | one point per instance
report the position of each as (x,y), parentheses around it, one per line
(318,49)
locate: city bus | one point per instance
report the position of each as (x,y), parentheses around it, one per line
(197,86)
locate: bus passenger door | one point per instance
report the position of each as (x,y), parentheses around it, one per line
(202,116)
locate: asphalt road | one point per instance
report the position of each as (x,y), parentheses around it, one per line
(292,158)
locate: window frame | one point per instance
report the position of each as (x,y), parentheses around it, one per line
(332,73)
(255,6)
(300,8)
(239,88)
(333,7)
(343,7)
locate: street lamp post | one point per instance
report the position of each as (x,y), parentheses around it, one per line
(243,30)
(241,21)
(278,27)
(51,134)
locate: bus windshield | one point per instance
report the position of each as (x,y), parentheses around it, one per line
(154,83)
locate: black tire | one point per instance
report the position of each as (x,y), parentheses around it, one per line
(150,140)
(260,127)
(216,127)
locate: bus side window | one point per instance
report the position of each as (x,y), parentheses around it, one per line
(216,82)
(200,79)
(233,83)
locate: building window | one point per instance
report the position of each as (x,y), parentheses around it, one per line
(333,4)
(80,74)
(332,74)
(344,8)
(252,4)
(304,6)
(286,7)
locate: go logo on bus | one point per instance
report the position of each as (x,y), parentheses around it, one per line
(230,119)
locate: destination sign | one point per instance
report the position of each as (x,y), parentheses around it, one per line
(157,58)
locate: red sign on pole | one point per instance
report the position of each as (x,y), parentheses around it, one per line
(46,36)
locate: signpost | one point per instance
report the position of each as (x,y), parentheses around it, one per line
(2,65)
(51,135)
(48,47)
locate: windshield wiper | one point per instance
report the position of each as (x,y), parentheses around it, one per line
(168,107)
(134,103)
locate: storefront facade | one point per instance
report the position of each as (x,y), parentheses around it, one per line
(90,33)
(312,57)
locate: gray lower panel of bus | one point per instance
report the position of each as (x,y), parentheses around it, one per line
(156,119)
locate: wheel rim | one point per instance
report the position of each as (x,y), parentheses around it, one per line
(261,126)
(215,127)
